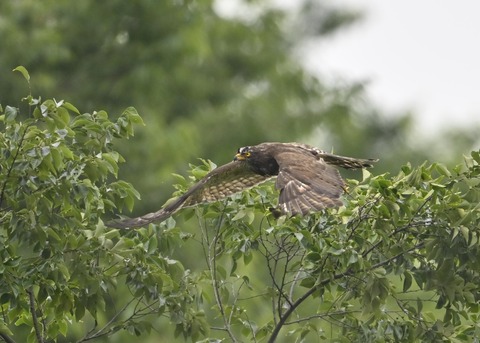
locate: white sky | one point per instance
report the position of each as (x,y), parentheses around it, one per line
(419,55)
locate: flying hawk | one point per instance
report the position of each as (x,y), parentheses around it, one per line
(306,179)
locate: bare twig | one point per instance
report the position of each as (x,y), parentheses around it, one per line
(103,331)
(211,257)
(273,259)
(321,316)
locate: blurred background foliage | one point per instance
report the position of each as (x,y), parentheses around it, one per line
(204,83)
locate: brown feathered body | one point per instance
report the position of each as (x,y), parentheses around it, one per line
(306,179)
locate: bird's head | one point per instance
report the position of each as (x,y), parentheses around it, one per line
(259,159)
(242,153)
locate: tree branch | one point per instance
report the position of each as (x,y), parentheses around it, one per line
(7,176)
(324,282)
(33,311)
(6,338)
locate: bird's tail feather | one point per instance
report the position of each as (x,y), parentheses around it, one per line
(169,208)
(347,162)
(146,219)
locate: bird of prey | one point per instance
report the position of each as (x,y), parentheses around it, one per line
(306,179)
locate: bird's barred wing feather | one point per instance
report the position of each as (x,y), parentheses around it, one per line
(307,183)
(220,183)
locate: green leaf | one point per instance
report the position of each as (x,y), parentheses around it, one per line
(4,328)
(62,117)
(407,282)
(308,282)
(66,152)
(10,114)
(240,214)
(442,169)
(111,159)
(222,272)
(63,327)
(247,257)
(476,156)
(23,71)
(70,107)
(132,114)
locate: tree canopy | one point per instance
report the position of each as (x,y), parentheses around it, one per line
(398,262)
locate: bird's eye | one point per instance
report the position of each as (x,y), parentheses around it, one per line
(244,150)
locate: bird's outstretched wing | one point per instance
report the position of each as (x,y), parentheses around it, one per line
(306,183)
(221,182)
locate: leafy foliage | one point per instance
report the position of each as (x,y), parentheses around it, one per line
(58,263)
(398,263)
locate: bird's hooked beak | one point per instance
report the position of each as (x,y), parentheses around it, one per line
(239,157)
